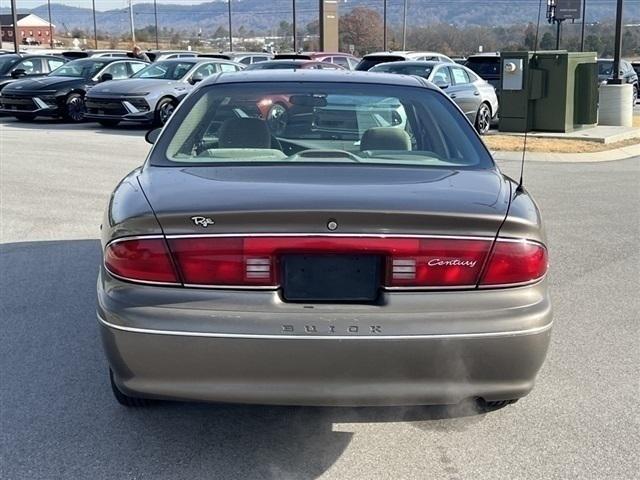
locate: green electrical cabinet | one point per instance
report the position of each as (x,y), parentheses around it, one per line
(555,91)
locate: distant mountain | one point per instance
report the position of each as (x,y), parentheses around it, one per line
(265,16)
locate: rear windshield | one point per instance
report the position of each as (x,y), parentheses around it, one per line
(369,61)
(165,70)
(309,122)
(275,65)
(421,70)
(485,67)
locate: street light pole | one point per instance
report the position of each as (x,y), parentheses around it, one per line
(50,27)
(155,18)
(133,32)
(95,24)
(404,26)
(584,18)
(230,35)
(14,19)
(617,52)
(384,25)
(295,45)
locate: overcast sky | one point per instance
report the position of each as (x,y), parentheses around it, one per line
(100,4)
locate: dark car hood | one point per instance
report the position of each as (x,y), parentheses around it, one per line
(302,198)
(45,83)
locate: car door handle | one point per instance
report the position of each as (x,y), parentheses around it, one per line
(476,93)
(453,95)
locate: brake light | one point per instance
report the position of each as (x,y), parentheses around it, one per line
(254,261)
(515,262)
(145,260)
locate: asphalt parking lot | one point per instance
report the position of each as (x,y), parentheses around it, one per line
(59,420)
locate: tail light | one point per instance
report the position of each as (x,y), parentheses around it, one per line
(254,261)
(141,259)
(515,262)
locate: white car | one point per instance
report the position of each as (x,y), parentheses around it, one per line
(368,61)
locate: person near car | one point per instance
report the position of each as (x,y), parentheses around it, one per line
(139,54)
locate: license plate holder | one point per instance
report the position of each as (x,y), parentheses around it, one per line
(331,277)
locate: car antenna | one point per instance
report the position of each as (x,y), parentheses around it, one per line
(520,188)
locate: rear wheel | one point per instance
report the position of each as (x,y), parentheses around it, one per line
(25,117)
(109,123)
(164,110)
(483,119)
(124,399)
(74,108)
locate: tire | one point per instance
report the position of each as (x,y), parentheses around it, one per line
(164,110)
(109,123)
(483,119)
(74,108)
(277,118)
(25,117)
(635,96)
(124,399)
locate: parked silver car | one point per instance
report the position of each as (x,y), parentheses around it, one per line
(475,97)
(152,94)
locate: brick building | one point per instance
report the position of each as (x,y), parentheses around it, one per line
(31,29)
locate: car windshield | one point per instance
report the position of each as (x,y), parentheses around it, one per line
(605,68)
(313,122)
(168,70)
(484,66)
(6,62)
(415,69)
(80,68)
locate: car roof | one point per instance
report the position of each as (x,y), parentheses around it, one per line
(431,63)
(484,55)
(311,75)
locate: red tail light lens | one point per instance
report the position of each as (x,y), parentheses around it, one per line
(515,262)
(145,260)
(253,261)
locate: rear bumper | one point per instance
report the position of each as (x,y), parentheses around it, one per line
(263,351)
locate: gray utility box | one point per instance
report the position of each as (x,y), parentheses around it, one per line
(555,91)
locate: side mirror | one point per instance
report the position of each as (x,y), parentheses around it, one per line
(443,84)
(18,72)
(196,78)
(105,77)
(152,135)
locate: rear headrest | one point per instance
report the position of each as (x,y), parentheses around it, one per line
(244,133)
(385,138)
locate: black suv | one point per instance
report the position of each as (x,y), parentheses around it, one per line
(61,93)
(487,66)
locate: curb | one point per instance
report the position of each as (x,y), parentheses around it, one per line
(590,157)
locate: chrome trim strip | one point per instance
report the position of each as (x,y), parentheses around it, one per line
(134,237)
(509,285)
(182,333)
(142,282)
(235,287)
(321,234)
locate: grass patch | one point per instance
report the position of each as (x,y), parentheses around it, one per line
(554,145)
